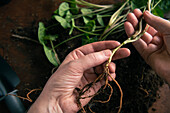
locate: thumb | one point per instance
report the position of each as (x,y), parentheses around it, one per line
(160,24)
(93,59)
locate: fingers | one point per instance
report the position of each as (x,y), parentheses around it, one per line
(90,48)
(129,28)
(161,25)
(112,69)
(132,22)
(92,60)
(133,19)
(157,40)
(99,69)
(158,23)
(98,46)
(97,58)
(113,76)
(138,13)
(121,53)
(151,31)
(147,38)
(140,45)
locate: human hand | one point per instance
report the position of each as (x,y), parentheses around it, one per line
(77,70)
(154,45)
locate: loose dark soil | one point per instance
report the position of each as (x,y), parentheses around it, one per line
(137,80)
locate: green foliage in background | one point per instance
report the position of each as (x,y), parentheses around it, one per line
(98,21)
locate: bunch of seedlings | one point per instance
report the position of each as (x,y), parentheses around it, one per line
(98,22)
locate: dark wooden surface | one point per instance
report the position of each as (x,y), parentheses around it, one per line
(25,57)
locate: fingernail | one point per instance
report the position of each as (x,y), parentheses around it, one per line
(118,43)
(137,10)
(147,12)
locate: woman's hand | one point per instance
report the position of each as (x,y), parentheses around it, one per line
(77,70)
(154,45)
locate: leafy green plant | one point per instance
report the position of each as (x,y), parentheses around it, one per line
(43,38)
(93,16)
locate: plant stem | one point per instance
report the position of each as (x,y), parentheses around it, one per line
(133,38)
(90,33)
(87,27)
(149,5)
(52,45)
(115,27)
(113,52)
(106,11)
(113,21)
(108,28)
(117,13)
(95,11)
(117,31)
(98,30)
(68,40)
(156,4)
(82,2)
(106,15)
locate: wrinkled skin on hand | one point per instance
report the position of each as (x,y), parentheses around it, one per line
(154,45)
(78,69)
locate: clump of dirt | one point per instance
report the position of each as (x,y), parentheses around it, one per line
(138,82)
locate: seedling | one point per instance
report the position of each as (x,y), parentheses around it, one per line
(94,23)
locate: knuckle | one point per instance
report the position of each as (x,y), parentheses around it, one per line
(93,57)
(71,65)
(77,53)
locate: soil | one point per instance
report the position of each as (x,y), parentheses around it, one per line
(137,80)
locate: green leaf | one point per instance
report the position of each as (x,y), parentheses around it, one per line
(164,5)
(50,37)
(63,8)
(133,6)
(138,4)
(50,55)
(73,7)
(158,12)
(72,26)
(86,12)
(43,40)
(68,16)
(91,25)
(86,19)
(41,33)
(62,21)
(100,20)
(71,30)
(56,11)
